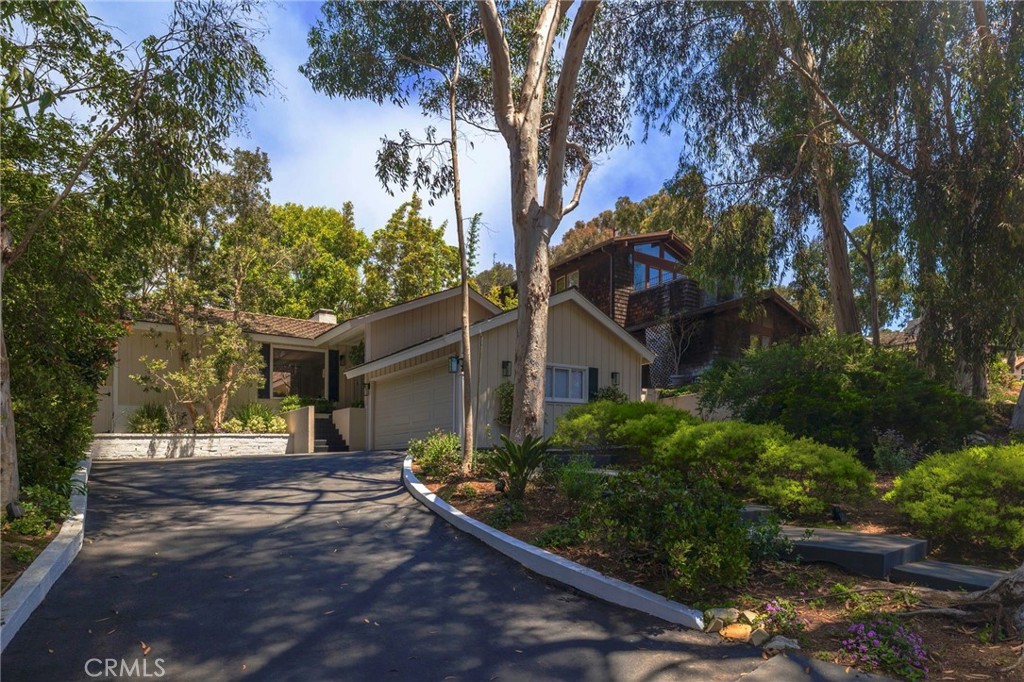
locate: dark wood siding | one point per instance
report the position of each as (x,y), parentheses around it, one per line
(650,305)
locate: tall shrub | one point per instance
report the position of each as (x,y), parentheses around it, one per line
(841,391)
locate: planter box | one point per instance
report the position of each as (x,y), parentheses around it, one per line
(106,446)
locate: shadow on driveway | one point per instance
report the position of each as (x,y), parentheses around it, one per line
(321,568)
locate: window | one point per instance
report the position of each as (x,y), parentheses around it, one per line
(653,265)
(560,284)
(297,372)
(565,384)
(572,279)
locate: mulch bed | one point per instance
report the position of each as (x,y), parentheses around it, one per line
(958,651)
(13,544)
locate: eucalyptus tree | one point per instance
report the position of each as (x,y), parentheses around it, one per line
(752,122)
(389,51)
(118,125)
(493,68)
(938,102)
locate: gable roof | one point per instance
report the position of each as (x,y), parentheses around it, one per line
(493,323)
(767,296)
(629,240)
(253,323)
(360,321)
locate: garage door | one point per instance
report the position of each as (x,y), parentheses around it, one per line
(410,406)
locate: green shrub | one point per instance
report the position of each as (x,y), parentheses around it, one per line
(505,395)
(44,508)
(255,418)
(692,529)
(577,479)
(638,425)
(150,418)
(761,461)
(466,491)
(975,495)
(439,454)
(515,464)
(893,455)
(841,391)
(292,402)
(562,535)
(807,478)
(611,394)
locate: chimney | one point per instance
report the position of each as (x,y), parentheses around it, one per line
(324,315)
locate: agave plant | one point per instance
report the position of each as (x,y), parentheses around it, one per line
(514,464)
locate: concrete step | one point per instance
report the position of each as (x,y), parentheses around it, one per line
(865,553)
(793,667)
(941,575)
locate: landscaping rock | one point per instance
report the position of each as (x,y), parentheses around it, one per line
(759,636)
(749,617)
(736,631)
(714,625)
(779,643)
(727,615)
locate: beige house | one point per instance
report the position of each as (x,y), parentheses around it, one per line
(403,385)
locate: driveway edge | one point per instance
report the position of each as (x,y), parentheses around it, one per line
(581,578)
(31,587)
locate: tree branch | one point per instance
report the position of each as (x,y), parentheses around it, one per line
(845,123)
(10,257)
(579,35)
(580,181)
(541,45)
(501,65)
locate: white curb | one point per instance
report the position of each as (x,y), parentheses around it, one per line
(552,566)
(28,590)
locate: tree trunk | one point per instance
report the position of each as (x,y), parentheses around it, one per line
(9,482)
(830,207)
(1008,592)
(467,344)
(876,331)
(1017,421)
(533,224)
(531,324)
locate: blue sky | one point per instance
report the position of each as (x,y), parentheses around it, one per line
(322,151)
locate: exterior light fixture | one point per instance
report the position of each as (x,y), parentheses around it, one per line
(615,378)
(366,388)
(506,368)
(454,364)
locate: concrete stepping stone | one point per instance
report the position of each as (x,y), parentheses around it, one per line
(941,575)
(867,554)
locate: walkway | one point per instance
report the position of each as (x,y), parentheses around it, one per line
(322,568)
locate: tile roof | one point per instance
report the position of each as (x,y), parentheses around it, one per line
(254,323)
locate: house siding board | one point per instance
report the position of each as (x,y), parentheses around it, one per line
(594,278)
(622,279)
(575,339)
(397,332)
(651,305)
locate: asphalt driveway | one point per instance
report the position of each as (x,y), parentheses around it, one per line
(320,568)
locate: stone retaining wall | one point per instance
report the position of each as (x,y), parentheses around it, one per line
(106,446)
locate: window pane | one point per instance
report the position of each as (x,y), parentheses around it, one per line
(649,249)
(639,272)
(652,276)
(559,284)
(573,279)
(577,385)
(667,255)
(561,389)
(297,372)
(547,383)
